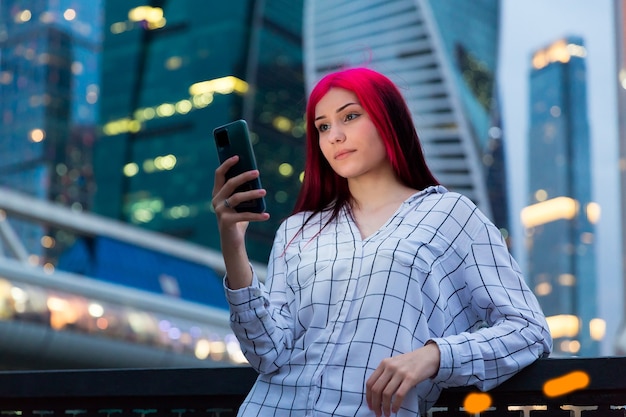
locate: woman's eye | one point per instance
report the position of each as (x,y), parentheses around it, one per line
(351,116)
(322,127)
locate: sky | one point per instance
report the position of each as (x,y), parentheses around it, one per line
(530,25)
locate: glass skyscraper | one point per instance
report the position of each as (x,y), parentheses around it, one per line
(446,72)
(560,216)
(48,104)
(174,71)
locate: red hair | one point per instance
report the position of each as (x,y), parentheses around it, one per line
(322,188)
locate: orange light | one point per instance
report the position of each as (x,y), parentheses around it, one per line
(477,402)
(566,384)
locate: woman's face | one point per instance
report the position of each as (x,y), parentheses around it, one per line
(348,138)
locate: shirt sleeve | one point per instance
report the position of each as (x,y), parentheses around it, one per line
(514,332)
(260,319)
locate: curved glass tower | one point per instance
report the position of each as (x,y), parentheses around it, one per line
(446,72)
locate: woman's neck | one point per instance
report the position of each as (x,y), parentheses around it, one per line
(377,193)
(373,206)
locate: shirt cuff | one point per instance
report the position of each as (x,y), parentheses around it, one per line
(446,360)
(245,299)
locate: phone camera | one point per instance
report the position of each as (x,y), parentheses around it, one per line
(221,137)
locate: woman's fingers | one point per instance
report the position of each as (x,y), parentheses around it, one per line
(374,386)
(391,381)
(220,173)
(237,198)
(382,388)
(225,190)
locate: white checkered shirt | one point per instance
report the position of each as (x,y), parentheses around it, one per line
(334,305)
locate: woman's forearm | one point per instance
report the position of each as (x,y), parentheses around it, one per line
(238,270)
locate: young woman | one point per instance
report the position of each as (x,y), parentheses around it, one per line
(382,288)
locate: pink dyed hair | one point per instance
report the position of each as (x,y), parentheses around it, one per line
(322,188)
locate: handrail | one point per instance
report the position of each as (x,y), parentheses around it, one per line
(114,293)
(33,209)
(52,311)
(80,322)
(219,391)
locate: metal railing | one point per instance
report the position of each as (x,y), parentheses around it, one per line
(33,210)
(219,391)
(61,320)
(51,318)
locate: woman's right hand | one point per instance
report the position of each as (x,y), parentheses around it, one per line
(232,225)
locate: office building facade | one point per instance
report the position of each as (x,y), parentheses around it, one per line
(171,74)
(560,216)
(446,72)
(48,89)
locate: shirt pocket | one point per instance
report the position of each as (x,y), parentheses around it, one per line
(305,263)
(423,250)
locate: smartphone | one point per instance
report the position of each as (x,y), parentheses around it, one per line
(234,139)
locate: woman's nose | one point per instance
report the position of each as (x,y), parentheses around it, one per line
(337,135)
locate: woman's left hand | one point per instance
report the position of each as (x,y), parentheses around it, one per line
(395,376)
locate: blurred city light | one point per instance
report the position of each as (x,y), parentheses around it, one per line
(201,96)
(563,325)
(560,51)
(548,211)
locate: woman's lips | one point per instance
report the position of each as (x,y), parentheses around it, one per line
(343,153)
